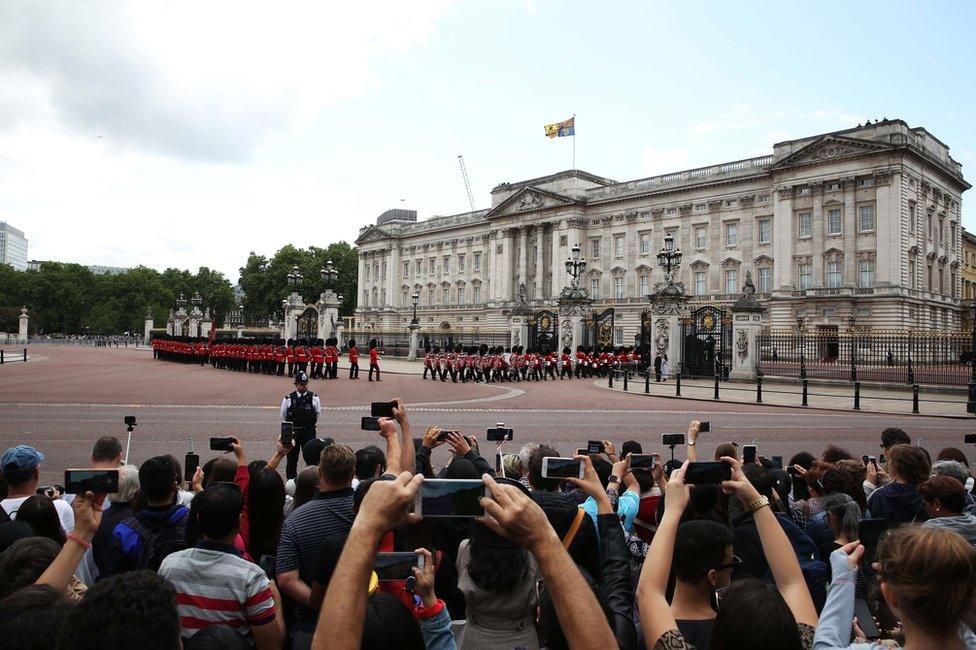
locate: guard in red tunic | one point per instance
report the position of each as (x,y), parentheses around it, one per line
(290,357)
(428,364)
(318,359)
(374,360)
(353,360)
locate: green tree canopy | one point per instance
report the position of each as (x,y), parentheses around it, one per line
(265,285)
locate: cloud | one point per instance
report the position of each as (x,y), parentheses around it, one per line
(197,80)
(663,161)
(744,117)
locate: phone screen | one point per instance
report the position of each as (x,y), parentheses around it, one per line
(970,439)
(777,461)
(704,427)
(190,464)
(749,454)
(395,566)
(801,491)
(370,424)
(594,447)
(500,434)
(99,481)
(865,619)
(381,409)
(642,462)
(711,471)
(221,444)
(553,467)
(869,534)
(451,498)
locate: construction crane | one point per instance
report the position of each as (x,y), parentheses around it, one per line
(467,185)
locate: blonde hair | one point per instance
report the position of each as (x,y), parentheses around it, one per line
(932,573)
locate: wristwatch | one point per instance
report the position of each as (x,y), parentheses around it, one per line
(759,504)
(613,479)
(691,443)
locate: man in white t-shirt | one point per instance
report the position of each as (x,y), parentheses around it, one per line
(19,467)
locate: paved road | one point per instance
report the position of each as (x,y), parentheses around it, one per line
(70,396)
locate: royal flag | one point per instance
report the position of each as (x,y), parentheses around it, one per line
(561,129)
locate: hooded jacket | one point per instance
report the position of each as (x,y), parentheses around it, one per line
(964,524)
(898,503)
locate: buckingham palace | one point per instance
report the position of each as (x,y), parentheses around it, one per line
(860,225)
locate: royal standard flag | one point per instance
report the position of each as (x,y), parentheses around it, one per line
(561,129)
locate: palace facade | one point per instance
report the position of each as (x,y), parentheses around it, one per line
(856,226)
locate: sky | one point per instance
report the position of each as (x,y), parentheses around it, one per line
(187,134)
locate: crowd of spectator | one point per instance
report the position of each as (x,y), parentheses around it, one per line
(775,556)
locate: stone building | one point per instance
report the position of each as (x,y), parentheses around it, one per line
(968,289)
(862,223)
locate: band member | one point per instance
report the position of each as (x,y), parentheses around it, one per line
(318,359)
(302,408)
(428,364)
(374,360)
(353,360)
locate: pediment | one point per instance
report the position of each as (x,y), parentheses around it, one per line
(371,234)
(730,262)
(530,199)
(643,268)
(830,148)
(763,259)
(618,270)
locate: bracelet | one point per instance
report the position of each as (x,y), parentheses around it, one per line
(78,540)
(691,443)
(759,504)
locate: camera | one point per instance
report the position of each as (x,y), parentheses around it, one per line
(287,434)
(129,421)
(221,444)
(672,439)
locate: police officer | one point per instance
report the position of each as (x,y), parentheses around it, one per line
(302,408)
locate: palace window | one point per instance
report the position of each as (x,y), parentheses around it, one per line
(618,336)
(731,281)
(477,262)
(865,270)
(365,297)
(595,248)
(834,276)
(865,182)
(595,288)
(912,226)
(406,269)
(912,275)
(701,239)
(834,224)
(804,225)
(618,287)
(446,296)
(476,290)
(765,279)
(805,273)
(419,267)
(403,298)
(865,218)
(700,280)
(644,286)
(765,231)
(460,262)
(430,297)
(645,243)
(447,264)
(618,246)
(460,295)
(367,273)
(928,277)
(731,234)
(433,265)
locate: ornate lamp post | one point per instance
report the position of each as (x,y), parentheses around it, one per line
(971,404)
(803,361)
(415,298)
(294,278)
(328,274)
(669,259)
(575,267)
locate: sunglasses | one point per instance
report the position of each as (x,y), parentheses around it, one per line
(736,561)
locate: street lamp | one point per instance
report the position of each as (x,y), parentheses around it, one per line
(575,266)
(415,298)
(295,277)
(971,404)
(328,274)
(181,301)
(803,361)
(851,321)
(669,258)
(196,300)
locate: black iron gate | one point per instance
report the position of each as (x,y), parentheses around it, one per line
(598,329)
(308,325)
(706,343)
(645,341)
(544,331)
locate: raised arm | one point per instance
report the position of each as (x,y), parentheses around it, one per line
(776,546)
(408,454)
(280,452)
(513,514)
(693,440)
(340,623)
(88,514)
(655,612)
(388,430)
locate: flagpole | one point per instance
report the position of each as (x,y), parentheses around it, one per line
(574,141)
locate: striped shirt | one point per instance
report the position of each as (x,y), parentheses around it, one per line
(214,585)
(327,514)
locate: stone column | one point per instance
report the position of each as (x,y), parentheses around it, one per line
(572,312)
(555,262)
(746,324)
(412,353)
(850,234)
(519,330)
(147,329)
(393,271)
(328,308)
(666,338)
(783,237)
(523,260)
(22,329)
(539,262)
(892,245)
(819,227)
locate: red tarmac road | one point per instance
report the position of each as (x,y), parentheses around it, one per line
(66,397)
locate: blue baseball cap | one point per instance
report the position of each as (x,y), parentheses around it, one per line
(20,457)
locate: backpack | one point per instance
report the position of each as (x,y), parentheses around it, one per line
(158,541)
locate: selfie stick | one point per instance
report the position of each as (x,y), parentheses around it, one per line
(672,451)
(128,439)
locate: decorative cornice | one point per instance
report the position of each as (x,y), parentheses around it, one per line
(785,192)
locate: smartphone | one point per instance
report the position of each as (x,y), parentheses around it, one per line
(129,420)
(396,566)
(748,454)
(446,497)
(553,467)
(865,619)
(500,434)
(287,434)
(801,491)
(704,426)
(594,447)
(869,533)
(709,471)
(99,481)
(672,439)
(370,424)
(970,439)
(267,564)
(221,444)
(442,436)
(642,462)
(582,451)
(777,461)
(381,409)
(46,490)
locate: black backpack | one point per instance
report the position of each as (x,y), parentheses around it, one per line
(158,541)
